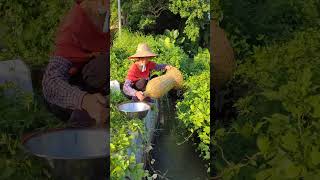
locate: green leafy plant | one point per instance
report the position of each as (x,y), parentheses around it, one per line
(196,13)
(29,28)
(194,110)
(276,132)
(254,23)
(123,131)
(20,114)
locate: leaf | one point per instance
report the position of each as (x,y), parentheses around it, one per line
(154,176)
(271,95)
(314,101)
(278,122)
(264,174)
(263,143)
(258,126)
(7,173)
(167,42)
(260,37)
(175,34)
(206,129)
(310,176)
(289,141)
(220,132)
(293,171)
(246,130)
(306,80)
(315,156)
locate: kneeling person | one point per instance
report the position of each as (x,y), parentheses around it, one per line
(139,72)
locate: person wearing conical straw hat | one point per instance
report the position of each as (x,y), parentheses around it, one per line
(139,72)
(75,82)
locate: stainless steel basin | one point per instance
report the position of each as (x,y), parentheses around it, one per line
(72,154)
(134,109)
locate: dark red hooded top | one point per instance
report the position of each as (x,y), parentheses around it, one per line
(134,73)
(78,37)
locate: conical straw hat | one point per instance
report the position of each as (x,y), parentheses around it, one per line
(143,50)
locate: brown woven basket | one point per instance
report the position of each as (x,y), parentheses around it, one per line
(222,56)
(177,75)
(161,85)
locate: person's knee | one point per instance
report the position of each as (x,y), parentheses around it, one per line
(95,73)
(141,84)
(80,118)
(59,112)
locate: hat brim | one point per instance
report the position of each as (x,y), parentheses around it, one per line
(139,55)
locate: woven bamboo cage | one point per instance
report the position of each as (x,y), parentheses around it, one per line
(159,86)
(177,75)
(222,56)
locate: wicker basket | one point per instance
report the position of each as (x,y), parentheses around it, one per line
(222,56)
(161,85)
(177,75)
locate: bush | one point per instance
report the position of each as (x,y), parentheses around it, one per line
(252,23)
(194,110)
(276,133)
(27,28)
(123,164)
(199,64)
(21,114)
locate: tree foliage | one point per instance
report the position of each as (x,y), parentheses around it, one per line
(196,13)
(276,130)
(190,18)
(253,23)
(137,14)
(28,28)
(21,114)
(215,10)
(273,135)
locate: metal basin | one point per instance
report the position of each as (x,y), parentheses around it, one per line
(72,154)
(135,109)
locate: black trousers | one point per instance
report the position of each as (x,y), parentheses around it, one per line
(93,79)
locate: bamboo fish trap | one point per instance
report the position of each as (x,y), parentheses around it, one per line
(222,56)
(161,85)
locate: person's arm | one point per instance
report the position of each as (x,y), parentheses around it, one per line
(127,88)
(56,88)
(159,67)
